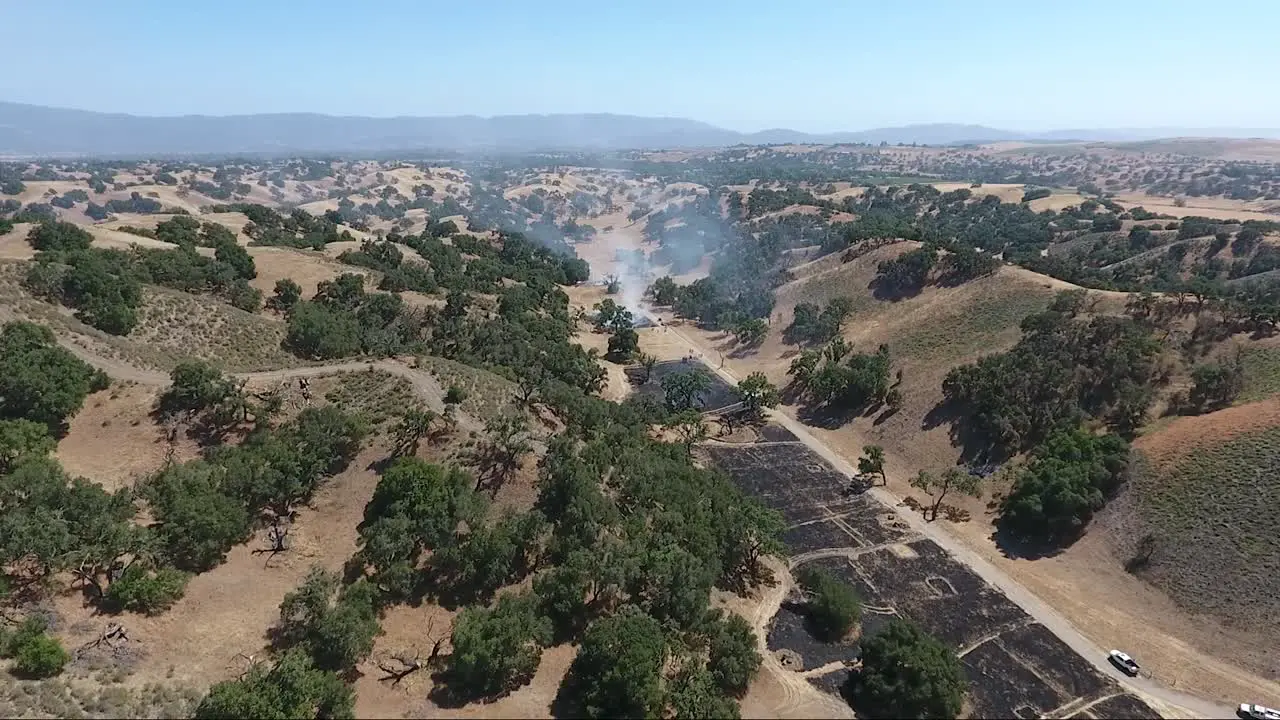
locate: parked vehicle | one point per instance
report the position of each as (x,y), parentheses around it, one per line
(1126,664)
(1257,712)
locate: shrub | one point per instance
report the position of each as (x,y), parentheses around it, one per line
(140,590)
(36,654)
(833,606)
(40,657)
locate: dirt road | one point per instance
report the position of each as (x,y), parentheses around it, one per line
(1164,698)
(424,383)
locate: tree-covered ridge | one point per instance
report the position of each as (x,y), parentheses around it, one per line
(105,285)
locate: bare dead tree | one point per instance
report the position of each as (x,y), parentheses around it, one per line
(402,665)
(406,666)
(247,664)
(278,539)
(114,636)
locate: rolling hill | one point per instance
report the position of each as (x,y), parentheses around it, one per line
(32,130)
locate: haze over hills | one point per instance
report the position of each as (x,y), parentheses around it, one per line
(32,130)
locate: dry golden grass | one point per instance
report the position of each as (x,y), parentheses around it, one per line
(1218,208)
(173,326)
(305,267)
(377,395)
(14,245)
(115,441)
(1007,192)
(488,395)
(103,692)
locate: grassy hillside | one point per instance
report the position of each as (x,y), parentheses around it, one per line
(1204,499)
(927,335)
(172,326)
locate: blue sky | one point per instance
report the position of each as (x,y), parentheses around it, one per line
(745,65)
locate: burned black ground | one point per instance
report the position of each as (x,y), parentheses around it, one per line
(1015,666)
(720,395)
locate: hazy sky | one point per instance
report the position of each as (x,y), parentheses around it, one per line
(745,65)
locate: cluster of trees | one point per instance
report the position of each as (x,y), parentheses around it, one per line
(949,221)
(420,508)
(624,544)
(105,285)
(964,264)
(1063,370)
(11,179)
(398,275)
(527,336)
(342,320)
(1069,477)
(764,200)
(841,380)
(685,232)
(298,229)
(909,273)
(810,324)
(69,199)
(135,204)
(41,384)
(1113,261)
(642,550)
(197,510)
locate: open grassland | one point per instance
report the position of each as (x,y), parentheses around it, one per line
(1261,373)
(488,395)
(308,268)
(376,394)
(175,325)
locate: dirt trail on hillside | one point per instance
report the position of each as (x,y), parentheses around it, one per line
(423,382)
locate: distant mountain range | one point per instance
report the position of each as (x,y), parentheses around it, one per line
(32,130)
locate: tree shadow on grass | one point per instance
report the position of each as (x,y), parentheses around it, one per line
(1016,548)
(885,416)
(450,694)
(975,448)
(830,417)
(568,700)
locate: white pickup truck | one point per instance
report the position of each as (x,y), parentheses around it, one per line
(1258,712)
(1127,665)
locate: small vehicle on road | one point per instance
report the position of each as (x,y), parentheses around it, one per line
(1257,712)
(1126,664)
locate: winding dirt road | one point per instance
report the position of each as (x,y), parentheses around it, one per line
(423,382)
